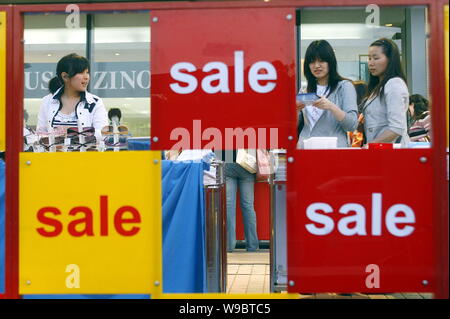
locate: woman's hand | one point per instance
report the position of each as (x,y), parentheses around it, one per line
(300,105)
(323,103)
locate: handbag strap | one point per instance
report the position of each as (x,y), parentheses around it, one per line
(365,104)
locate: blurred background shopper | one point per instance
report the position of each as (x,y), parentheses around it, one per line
(419,120)
(237,177)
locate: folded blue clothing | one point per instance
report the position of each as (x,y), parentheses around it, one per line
(139,144)
(184,250)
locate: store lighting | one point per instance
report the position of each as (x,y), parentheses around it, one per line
(309,31)
(344,31)
(388,24)
(116,53)
(78,35)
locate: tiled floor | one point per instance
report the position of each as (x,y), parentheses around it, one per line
(250,273)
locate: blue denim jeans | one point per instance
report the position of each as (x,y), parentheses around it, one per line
(236,175)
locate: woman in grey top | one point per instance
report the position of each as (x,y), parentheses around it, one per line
(386,105)
(335,112)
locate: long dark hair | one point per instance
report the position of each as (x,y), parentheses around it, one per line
(394,67)
(321,50)
(72,64)
(361,92)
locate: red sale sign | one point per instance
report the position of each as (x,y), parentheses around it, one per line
(223,78)
(360,221)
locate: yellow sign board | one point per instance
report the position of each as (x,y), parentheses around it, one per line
(90,223)
(2,79)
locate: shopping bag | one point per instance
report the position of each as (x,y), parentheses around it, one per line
(357,136)
(263,165)
(247,159)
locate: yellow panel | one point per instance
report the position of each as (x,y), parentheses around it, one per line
(110,251)
(231,296)
(2,78)
(446,59)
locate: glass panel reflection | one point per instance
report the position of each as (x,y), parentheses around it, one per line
(117,46)
(350,32)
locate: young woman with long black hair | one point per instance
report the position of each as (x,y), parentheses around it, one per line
(386,105)
(335,113)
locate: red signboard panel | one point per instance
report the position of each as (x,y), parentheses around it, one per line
(220,76)
(360,221)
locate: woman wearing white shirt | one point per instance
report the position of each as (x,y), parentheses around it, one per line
(335,112)
(69,103)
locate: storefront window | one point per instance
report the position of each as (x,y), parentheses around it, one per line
(350,31)
(117,46)
(47,39)
(121,67)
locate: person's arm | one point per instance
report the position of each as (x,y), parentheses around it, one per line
(338,114)
(100,116)
(396,97)
(387,136)
(325,104)
(348,115)
(349,106)
(300,106)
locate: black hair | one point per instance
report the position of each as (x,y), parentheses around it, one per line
(72,64)
(420,106)
(361,92)
(394,67)
(321,50)
(114,112)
